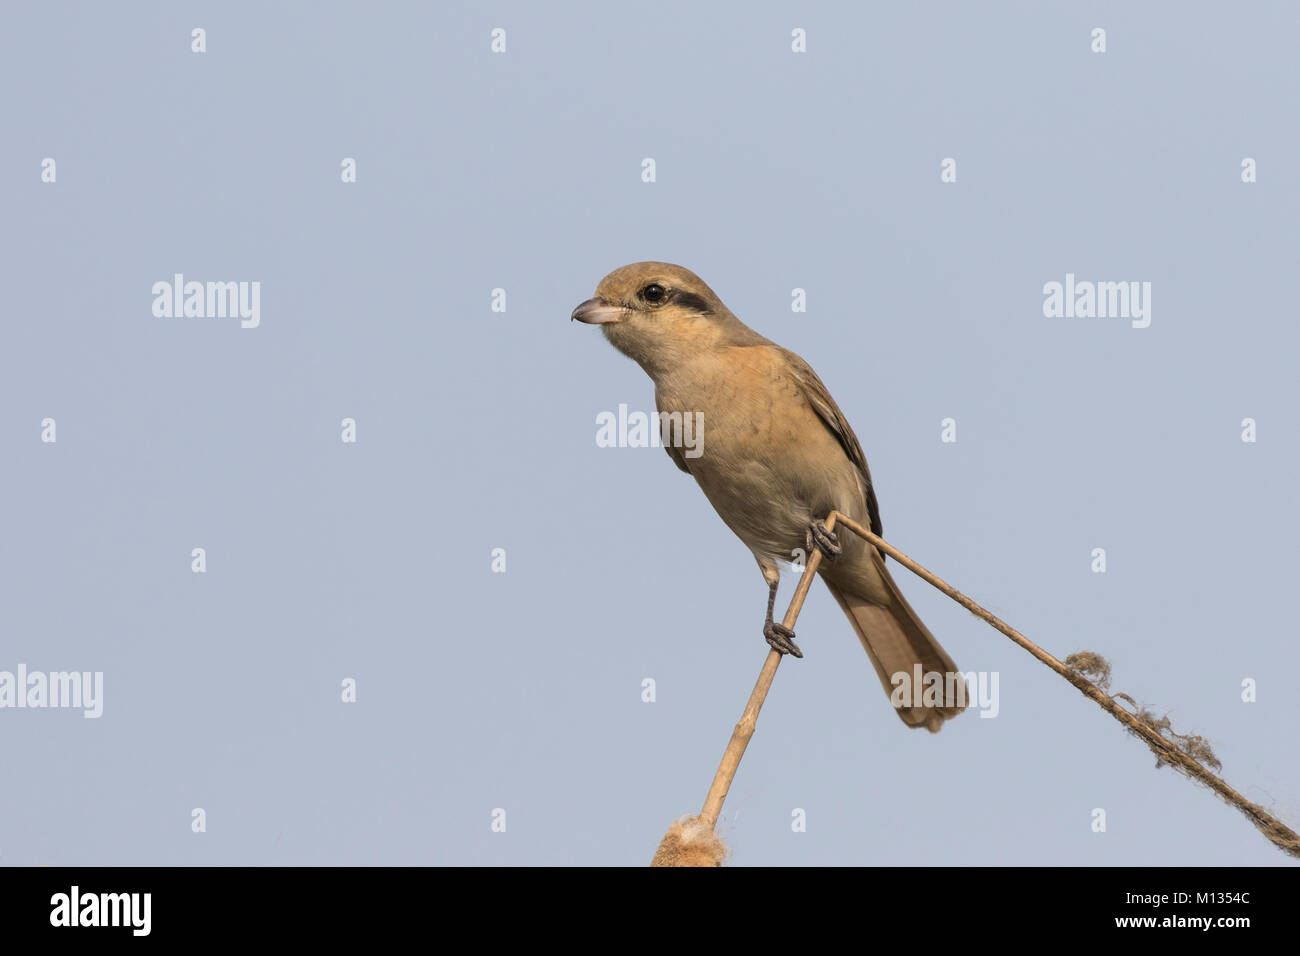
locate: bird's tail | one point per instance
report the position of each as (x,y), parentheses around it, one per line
(904,653)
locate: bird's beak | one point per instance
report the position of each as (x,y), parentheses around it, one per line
(598,312)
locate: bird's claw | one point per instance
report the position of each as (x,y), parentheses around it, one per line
(824,540)
(781,638)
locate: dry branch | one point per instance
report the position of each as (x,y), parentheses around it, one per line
(1176,750)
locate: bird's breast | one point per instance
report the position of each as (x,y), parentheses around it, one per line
(766,461)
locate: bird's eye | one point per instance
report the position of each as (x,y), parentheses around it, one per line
(654,293)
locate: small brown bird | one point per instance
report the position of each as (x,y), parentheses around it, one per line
(776,456)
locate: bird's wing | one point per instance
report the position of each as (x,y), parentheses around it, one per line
(820,399)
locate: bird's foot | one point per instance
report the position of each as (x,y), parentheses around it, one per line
(824,540)
(781,638)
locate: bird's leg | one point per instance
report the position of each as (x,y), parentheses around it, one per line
(778,635)
(824,540)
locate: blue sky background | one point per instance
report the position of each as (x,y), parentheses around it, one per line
(476,429)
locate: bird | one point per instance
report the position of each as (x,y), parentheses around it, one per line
(775,457)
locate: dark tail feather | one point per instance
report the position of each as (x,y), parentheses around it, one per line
(896,641)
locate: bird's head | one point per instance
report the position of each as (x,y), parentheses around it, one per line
(659,314)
